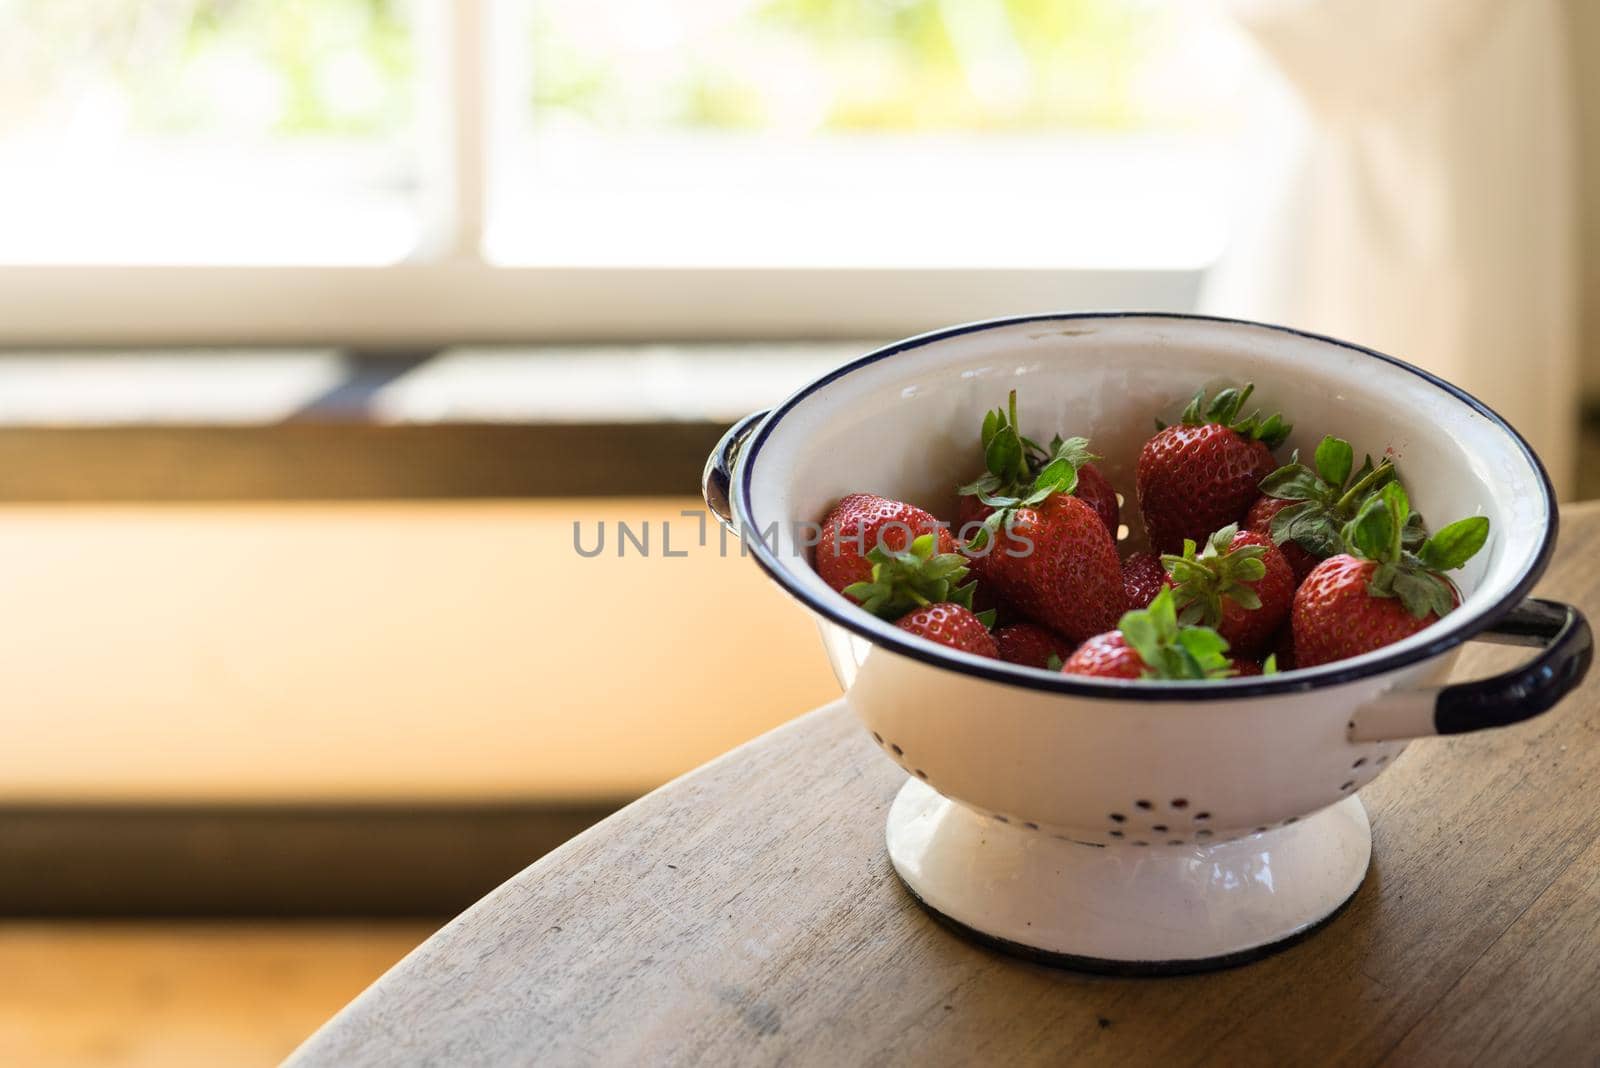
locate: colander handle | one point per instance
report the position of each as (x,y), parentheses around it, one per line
(1566,648)
(716,481)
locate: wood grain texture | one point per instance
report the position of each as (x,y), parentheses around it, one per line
(748,913)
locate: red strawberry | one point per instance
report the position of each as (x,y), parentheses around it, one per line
(1304,509)
(1243,665)
(1239,583)
(1017,466)
(1105,656)
(1259,520)
(1202,474)
(1030,645)
(1151,643)
(952,625)
(1142,578)
(1055,563)
(856,525)
(1096,491)
(1381,593)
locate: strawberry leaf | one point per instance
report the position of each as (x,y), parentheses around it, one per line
(1003,456)
(1454,545)
(1171,649)
(1334,460)
(1021,473)
(1369,534)
(1295,482)
(1328,498)
(1224,409)
(1203,581)
(911,578)
(1309,525)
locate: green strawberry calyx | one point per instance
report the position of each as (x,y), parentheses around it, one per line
(1171,650)
(1021,472)
(1328,495)
(1378,533)
(1202,580)
(1224,410)
(913,578)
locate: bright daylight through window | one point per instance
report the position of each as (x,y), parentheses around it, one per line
(875,133)
(660,133)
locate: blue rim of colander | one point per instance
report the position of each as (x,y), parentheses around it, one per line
(1453,632)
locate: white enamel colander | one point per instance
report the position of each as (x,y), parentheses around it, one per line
(1144,826)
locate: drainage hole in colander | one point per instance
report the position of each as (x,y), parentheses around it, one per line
(896,749)
(1001,818)
(1115,834)
(1122,532)
(919,773)
(877,737)
(1383,759)
(1261,830)
(1202,815)
(1141,843)
(1179,802)
(1291,819)
(1202,833)
(1159,828)
(1032,826)
(1358,763)
(1347,785)
(1175,841)
(1117,817)
(1147,806)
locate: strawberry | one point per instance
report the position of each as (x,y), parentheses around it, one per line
(1017,464)
(912,578)
(922,590)
(1151,644)
(1304,509)
(1142,578)
(1239,583)
(1097,493)
(1105,656)
(858,523)
(1031,645)
(1259,519)
(952,625)
(1202,474)
(1054,562)
(1243,666)
(1380,592)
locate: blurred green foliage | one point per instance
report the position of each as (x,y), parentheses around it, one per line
(863,65)
(346,67)
(286,67)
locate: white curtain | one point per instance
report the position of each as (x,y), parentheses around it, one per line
(1424,204)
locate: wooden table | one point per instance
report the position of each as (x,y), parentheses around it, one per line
(747,913)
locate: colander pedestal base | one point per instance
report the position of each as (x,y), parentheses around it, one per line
(1125,909)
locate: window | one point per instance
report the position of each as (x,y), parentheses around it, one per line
(423,171)
(207,132)
(859,133)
